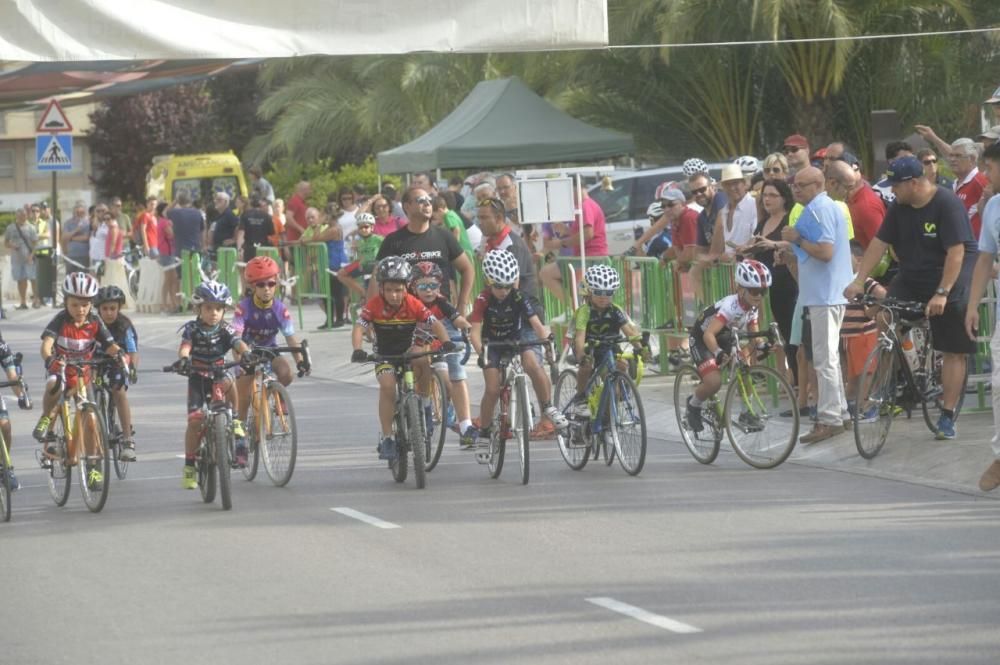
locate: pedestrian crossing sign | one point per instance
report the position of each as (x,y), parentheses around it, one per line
(54,152)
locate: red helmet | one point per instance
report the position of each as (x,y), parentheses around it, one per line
(260,267)
(426,269)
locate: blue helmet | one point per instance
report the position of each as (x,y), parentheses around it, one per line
(212,292)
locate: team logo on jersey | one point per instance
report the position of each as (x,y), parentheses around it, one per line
(930,230)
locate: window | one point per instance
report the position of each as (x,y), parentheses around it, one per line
(6,163)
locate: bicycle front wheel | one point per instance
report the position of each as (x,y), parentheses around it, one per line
(223,460)
(876,400)
(58,478)
(704,444)
(498,438)
(628,424)
(206,463)
(4,483)
(576,454)
(95,462)
(254,426)
(279,444)
(434,439)
(758,434)
(415,438)
(520,420)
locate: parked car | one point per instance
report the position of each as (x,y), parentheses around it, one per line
(625,205)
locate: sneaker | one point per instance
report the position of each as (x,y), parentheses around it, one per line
(387,449)
(468,440)
(991,477)
(677,357)
(241,456)
(869,416)
(581,410)
(822,432)
(945,428)
(41,430)
(127,452)
(189,481)
(555,415)
(12,481)
(694,417)
(95,479)
(483,447)
(750,422)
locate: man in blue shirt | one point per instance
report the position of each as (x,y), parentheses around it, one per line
(822,249)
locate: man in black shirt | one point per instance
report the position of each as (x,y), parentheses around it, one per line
(225,225)
(255,227)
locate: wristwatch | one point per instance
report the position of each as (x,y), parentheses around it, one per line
(941,291)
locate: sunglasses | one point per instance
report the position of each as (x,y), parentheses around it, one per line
(603,292)
(757,292)
(774,169)
(928,162)
(502,287)
(424,200)
(790,149)
(700,190)
(266,285)
(428,286)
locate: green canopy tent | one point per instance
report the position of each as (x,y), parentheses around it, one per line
(502,122)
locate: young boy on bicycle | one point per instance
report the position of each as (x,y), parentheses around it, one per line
(595,319)
(74,334)
(9,363)
(711,335)
(426,285)
(366,246)
(109,301)
(258,319)
(205,342)
(499,314)
(392,316)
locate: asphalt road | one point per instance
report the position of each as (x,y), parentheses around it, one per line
(684,564)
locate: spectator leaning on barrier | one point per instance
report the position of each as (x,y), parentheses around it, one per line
(930,233)
(989,252)
(969,182)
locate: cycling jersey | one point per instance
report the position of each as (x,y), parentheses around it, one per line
(124,334)
(443,311)
(730,311)
(77,342)
(394,326)
(600,323)
(503,319)
(6,355)
(366,250)
(209,346)
(260,327)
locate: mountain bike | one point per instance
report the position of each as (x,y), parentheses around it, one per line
(216,443)
(271,432)
(616,423)
(5,463)
(442,411)
(889,385)
(749,412)
(104,398)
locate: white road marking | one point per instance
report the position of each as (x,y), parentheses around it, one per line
(358,515)
(642,615)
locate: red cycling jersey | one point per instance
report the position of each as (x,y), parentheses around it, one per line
(394,326)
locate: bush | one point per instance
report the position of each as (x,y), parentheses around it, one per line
(284,176)
(6,219)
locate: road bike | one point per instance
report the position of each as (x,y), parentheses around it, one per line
(890,385)
(5,464)
(214,458)
(512,414)
(104,397)
(749,412)
(616,423)
(442,410)
(271,431)
(77,438)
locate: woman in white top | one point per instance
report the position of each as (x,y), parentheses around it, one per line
(98,235)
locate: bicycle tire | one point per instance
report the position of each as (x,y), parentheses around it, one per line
(702,448)
(59,477)
(223,459)
(761,446)
(416,436)
(627,415)
(439,414)
(279,447)
(521,424)
(876,402)
(113,431)
(4,483)
(398,466)
(564,390)
(498,442)
(206,464)
(90,425)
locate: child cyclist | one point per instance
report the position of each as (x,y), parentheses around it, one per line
(258,319)
(204,343)
(711,335)
(426,285)
(73,334)
(393,316)
(9,363)
(595,319)
(109,301)
(366,246)
(499,314)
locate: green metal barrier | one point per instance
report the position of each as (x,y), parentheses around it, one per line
(190,273)
(229,273)
(270,252)
(311,263)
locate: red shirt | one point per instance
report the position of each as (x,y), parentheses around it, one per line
(970,191)
(146,221)
(867,212)
(394,326)
(296,207)
(685,231)
(593,216)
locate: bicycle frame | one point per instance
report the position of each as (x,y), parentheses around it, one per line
(263,374)
(79,397)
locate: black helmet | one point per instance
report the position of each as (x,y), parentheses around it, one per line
(109,294)
(393,269)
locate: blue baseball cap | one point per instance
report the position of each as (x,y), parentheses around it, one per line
(902,169)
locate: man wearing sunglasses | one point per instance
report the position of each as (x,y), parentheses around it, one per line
(796,151)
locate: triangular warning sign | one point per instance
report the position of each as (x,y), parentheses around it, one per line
(54,119)
(54,154)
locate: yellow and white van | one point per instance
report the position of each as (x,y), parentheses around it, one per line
(198,175)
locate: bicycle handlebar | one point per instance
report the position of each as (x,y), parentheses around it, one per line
(216,370)
(269,352)
(895,304)
(400,357)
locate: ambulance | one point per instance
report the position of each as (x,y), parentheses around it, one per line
(201,176)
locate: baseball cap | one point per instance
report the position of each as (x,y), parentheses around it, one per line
(850,158)
(994,98)
(796,141)
(672,194)
(902,169)
(993,133)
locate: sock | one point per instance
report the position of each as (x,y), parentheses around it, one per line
(948,412)
(464,425)
(695,402)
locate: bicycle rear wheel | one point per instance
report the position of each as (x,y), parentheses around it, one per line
(520,420)
(628,424)
(876,400)
(222,435)
(703,445)
(498,440)
(576,455)
(434,440)
(928,380)
(4,483)
(115,436)
(759,436)
(279,446)
(58,478)
(90,429)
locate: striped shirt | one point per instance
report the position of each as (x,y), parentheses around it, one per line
(856,322)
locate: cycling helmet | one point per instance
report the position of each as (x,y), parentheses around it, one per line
(655,210)
(694,166)
(752,274)
(393,269)
(109,294)
(260,267)
(80,284)
(212,292)
(365,219)
(602,280)
(500,268)
(748,164)
(427,269)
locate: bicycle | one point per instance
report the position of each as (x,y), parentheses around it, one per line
(442,411)
(5,463)
(888,385)
(216,443)
(748,415)
(73,429)
(112,424)
(617,421)
(408,424)
(512,415)
(271,417)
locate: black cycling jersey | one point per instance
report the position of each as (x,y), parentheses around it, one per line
(503,319)
(208,345)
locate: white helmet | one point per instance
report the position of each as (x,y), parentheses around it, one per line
(500,267)
(365,218)
(694,166)
(748,164)
(655,210)
(752,274)
(81,285)
(602,280)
